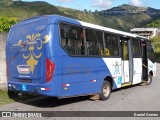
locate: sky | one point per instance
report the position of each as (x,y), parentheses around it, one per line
(100,4)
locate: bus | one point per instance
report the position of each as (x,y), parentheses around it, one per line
(56,56)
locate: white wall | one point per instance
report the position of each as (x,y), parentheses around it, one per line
(3,80)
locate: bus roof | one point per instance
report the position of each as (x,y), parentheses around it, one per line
(103,28)
(108,29)
(85,24)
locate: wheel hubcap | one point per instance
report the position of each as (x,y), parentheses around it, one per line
(148,81)
(105,90)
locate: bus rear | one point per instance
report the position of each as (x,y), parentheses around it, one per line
(29,65)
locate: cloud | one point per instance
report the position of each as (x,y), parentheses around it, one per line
(102,4)
(64,1)
(136,2)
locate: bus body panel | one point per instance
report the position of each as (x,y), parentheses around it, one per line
(137,70)
(27,52)
(151,67)
(125,70)
(28,46)
(89,73)
(115,67)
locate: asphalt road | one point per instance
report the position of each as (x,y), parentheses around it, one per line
(135,98)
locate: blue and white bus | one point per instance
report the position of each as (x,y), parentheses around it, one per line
(62,57)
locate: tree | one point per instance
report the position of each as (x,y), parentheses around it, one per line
(17,0)
(85,10)
(96,11)
(90,11)
(5,3)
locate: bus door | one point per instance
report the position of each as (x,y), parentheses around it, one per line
(127,61)
(137,60)
(145,61)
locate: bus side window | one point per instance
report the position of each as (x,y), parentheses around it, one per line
(125,50)
(90,42)
(64,36)
(136,47)
(107,45)
(72,39)
(115,46)
(94,42)
(99,42)
(111,45)
(150,50)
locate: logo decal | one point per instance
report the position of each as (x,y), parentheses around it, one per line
(33,43)
(116,72)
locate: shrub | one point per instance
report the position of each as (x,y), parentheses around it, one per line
(6,23)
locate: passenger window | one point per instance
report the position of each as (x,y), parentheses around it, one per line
(150,50)
(99,42)
(125,50)
(94,42)
(72,39)
(111,45)
(136,48)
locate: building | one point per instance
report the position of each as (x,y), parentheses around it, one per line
(145,32)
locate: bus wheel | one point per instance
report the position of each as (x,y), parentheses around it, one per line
(149,81)
(12,94)
(105,91)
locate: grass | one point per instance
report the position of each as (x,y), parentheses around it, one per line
(4,98)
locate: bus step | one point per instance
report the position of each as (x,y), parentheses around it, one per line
(126,84)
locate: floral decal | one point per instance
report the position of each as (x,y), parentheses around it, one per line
(33,42)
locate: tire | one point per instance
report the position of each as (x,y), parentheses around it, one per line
(149,81)
(12,94)
(105,91)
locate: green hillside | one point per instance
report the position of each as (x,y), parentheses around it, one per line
(23,10)
(155,24)
(156,40)
(156,43)
(126,18)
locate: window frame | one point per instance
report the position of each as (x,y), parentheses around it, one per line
(94,30)
(84,40)
(119,48)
